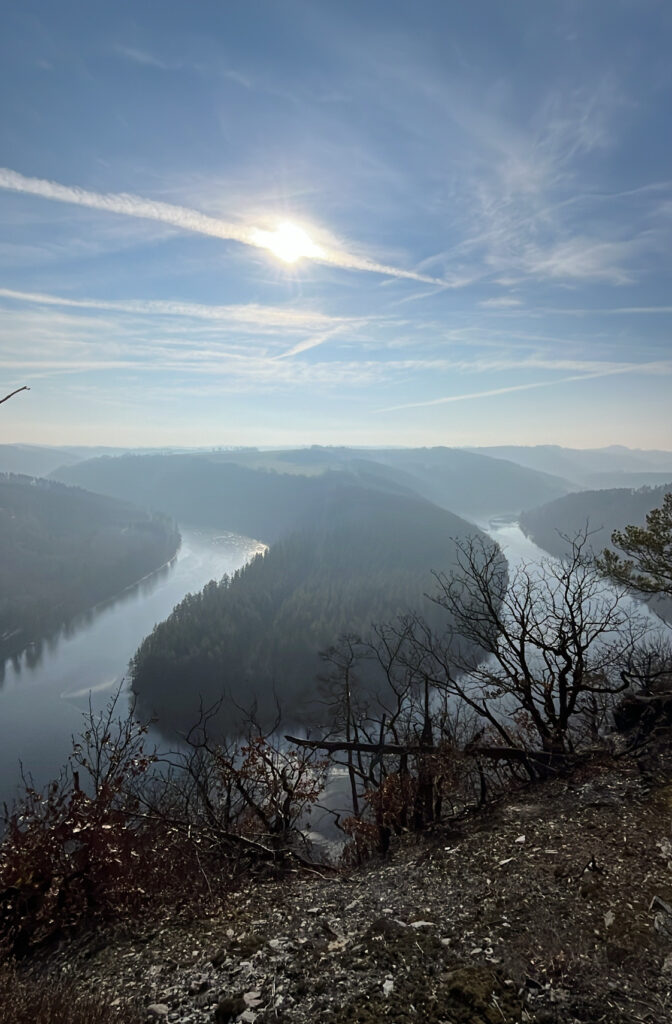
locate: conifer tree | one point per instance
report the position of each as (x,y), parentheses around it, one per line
(646,562)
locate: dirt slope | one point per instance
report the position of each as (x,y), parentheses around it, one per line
(555,906)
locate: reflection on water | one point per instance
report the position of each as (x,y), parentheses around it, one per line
(46,688)
(517,547)
(31,656)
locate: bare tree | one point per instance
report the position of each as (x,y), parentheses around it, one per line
(344,700)
(395,734)
(251,793)
(544,648)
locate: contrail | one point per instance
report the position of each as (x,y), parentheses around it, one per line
(190,220)
(517,387)
(308,343)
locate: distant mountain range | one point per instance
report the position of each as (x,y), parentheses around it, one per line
(33,460)
(594,468)
(263,493)
(41,460)
(474,481)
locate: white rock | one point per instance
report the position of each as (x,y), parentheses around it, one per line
(158,1010)
(388,986)
(422,924)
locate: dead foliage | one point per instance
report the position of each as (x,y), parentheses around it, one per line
(34,1000)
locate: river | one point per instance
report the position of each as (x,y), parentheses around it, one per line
(45,690)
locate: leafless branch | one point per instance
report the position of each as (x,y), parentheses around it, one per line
(12,393)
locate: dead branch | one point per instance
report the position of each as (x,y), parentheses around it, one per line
(12,393)
(332,746)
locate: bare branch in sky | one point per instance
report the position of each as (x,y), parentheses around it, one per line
(12,393)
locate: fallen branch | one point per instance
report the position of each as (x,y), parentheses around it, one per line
(332,746)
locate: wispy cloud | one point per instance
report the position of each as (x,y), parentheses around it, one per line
(187,219)
(48,341)
(516,184)
(147,59)
(254,316)
(605,310)
(144,57)
(503,303)
(581,258)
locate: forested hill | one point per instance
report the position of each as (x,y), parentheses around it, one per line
(63,550)
(200,491)
(462,481)
(601,511)
(265,494)
(367,558)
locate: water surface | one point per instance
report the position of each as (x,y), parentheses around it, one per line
(45,690)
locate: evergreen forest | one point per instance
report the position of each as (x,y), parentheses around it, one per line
(63,550)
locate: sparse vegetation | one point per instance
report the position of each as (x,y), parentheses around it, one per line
(120,830)
(30,999)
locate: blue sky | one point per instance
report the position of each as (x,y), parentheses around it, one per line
(479,195)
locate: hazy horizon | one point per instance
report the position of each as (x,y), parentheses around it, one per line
(350,224)
(269,446)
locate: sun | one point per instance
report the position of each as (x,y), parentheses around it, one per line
(289,243)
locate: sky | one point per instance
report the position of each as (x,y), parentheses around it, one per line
(288,222)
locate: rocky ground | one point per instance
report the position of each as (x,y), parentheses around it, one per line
(556,906)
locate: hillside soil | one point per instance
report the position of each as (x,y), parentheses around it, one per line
(555,906)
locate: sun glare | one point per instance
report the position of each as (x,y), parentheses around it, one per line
(289,243)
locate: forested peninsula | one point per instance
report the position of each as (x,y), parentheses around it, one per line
(63,549)
(366,557)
